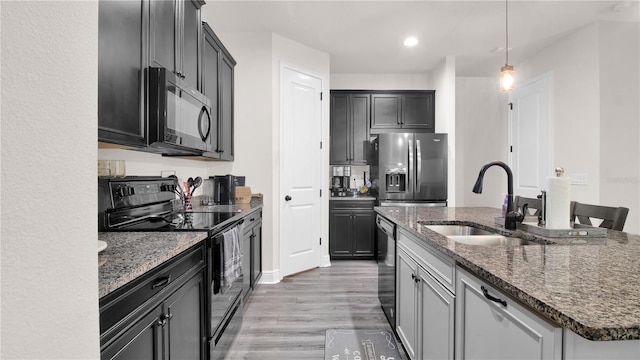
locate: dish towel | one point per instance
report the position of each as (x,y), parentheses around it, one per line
(232,257)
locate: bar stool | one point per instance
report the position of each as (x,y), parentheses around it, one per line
(613,217)
(535,204)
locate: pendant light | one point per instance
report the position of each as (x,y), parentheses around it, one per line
(506,72)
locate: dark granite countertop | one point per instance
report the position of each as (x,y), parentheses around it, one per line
(590,286)
(130,254)
(358,197)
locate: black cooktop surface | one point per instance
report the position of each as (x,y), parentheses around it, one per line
(180,221)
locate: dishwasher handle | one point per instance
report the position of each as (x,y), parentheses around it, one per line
(385,226)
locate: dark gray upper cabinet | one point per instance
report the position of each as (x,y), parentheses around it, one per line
(174,37)
(121,72)
(403,110)
(217,84)
(349,128)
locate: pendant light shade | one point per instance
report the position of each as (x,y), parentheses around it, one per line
(507,82)
(506,78)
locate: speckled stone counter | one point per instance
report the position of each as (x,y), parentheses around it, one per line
(590,286)
(358,198)
(131,254)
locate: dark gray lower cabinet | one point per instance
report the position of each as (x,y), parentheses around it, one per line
(351,229)
(252,251)
(161,315)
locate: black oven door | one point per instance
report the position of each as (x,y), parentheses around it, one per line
(225,290)
(179,116)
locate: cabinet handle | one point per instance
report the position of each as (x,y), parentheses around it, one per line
(415,278)
(163,281)
(494,299)
(162,321)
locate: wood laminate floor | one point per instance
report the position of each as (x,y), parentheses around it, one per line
(288,320)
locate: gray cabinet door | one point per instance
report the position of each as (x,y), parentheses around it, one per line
(340,239)
(363,228)
(359,134)
(407,302)
(340,123)
(349,128)
(142,341)
(486,329)
(163,35)
(418,111)
(190,49)
(436,319)
(225,142)
(121,72)
(184,311)
(386,111)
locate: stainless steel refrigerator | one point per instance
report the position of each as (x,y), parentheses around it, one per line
(410,168)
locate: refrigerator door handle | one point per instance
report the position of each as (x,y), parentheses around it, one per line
(409,178)
(419,166)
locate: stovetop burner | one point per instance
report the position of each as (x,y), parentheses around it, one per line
(178,221)
(145,204)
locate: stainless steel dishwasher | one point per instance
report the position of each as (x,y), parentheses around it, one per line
(386,258)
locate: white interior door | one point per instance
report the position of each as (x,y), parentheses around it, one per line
(530,137)
(300,171)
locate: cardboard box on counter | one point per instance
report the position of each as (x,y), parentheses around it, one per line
(243,194)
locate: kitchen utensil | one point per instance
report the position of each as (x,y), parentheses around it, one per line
(196,183)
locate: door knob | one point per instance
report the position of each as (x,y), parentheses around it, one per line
(287,198)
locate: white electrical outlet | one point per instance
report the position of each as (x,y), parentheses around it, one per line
(579,179)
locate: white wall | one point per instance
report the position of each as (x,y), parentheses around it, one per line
(379,82)
(49,262)
(442,79)
(481,137)
(573,63)
(595,111)
(620,118)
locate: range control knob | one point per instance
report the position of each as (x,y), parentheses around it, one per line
(167,187)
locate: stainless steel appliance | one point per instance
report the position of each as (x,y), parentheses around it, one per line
(386,258)
(179,116)
(146,204)
(410,167)
(224,188)
(340,180)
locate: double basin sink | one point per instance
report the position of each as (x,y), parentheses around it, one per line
(472,235)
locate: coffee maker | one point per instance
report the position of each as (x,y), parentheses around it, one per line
(340,180)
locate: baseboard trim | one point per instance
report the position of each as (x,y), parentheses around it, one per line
(326,261)
(270,277)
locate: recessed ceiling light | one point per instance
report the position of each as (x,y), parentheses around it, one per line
(410,41)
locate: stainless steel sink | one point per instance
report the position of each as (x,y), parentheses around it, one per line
(471,235)
(487,240)
(457,230)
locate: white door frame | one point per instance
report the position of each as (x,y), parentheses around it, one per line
(548,77)
(323,181)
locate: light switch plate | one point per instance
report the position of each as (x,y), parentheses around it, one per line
(579,179)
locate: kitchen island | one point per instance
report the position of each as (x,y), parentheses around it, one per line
(588,286)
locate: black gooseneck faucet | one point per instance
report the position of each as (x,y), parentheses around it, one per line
(512,217)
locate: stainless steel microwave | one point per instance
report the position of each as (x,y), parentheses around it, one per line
(179,116)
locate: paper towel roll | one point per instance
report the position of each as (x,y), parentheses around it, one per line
(558,202)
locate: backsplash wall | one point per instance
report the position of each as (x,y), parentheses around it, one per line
(147,164)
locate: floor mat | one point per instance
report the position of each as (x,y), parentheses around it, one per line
(345,344)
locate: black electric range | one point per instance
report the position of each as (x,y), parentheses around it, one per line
(151,204)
